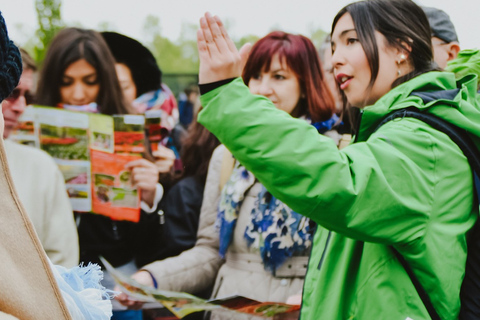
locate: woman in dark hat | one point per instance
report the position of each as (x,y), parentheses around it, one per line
(141,78)
(141,82)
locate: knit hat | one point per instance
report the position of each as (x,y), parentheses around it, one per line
(142,64)
(10,62)
(441,25)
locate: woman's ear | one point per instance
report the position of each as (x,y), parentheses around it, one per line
(404,50)
(403,58)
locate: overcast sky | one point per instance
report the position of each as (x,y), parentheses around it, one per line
(246,16)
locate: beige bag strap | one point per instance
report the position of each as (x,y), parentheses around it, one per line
(28,287)
(226,169)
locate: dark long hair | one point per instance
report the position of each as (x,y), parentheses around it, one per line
(197,149)
(400,22)
(73,44)
(301,57)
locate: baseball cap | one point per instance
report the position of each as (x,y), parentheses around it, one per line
(441,25)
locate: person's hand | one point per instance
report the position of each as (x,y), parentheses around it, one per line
(219,58)
(144,177)
(164,159)
(142,277)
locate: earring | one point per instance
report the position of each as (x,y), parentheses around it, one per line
(399,73)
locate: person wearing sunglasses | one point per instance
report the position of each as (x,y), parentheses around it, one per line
(39,182)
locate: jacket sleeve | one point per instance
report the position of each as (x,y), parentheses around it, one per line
(195,270)
(380,190)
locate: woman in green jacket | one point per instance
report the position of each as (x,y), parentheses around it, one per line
(405,185)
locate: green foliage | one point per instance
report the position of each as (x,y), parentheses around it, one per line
(50,22)
(248,38)
(173,57)
(317,35)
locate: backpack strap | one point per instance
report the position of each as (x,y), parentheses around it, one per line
(470,291)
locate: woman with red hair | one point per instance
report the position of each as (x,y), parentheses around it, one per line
(249,241)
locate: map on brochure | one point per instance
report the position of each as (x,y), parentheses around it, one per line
(182,304)
(91,150)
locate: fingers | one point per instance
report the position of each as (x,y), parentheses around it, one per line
(217,34)
(145,179)
(219,58)
(125,300)
(164,159)
(164,153)
(137,163)
(244,53)
(208,36)
(230,43)
(144,174)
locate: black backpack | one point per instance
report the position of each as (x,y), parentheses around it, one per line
(470,290)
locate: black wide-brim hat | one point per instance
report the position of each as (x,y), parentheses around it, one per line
(146,74)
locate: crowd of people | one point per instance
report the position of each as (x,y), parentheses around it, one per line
(258,188)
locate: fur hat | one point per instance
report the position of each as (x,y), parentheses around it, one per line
(10,62)
(441,25)
(142,64)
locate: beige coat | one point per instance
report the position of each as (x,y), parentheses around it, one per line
(27,285)
(242,273)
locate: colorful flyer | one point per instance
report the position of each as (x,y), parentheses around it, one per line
(78,183)
(25,132)
(182,304)
(64,135)
(155,132)
(91,151)
(113,194)
(129,134)
(101,133)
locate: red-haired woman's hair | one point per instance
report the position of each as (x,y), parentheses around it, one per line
(301,57)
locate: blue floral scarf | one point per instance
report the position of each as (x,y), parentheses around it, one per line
(275,230)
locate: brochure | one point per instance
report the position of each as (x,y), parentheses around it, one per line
(155,132)
(113,194)
(91,151)
(182,304)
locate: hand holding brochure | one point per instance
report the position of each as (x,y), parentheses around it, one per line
(91,151)
(182,304)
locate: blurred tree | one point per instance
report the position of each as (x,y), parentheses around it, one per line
(50,22)
(248,38)
(106,26)
(317,35)
(173,56)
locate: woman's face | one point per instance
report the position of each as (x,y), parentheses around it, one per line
(279,84)
(80,85)
(351,68)
(126,82)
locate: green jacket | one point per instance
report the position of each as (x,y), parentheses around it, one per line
(405,185)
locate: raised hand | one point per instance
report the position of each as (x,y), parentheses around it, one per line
(219,58)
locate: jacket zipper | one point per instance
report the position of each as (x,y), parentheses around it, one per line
(324,250)
(357,126)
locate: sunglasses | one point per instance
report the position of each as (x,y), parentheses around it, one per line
(17,93)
